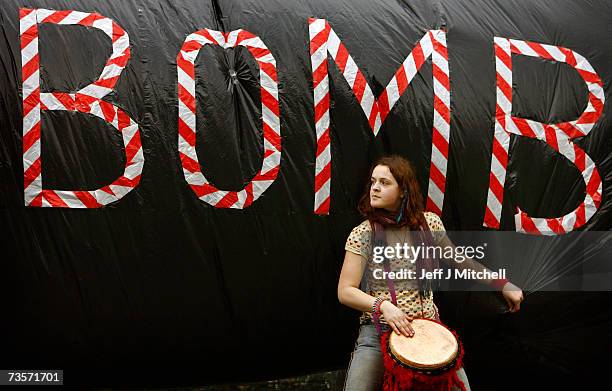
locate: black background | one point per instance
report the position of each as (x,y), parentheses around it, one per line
(163,289)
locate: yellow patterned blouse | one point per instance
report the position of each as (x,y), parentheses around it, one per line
(359,242)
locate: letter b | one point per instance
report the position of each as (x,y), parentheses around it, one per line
(87,100)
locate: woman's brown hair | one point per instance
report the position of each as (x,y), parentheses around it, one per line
(405,175)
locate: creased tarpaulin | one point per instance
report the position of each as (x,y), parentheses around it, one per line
(162,282)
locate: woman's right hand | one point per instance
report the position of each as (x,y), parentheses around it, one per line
(397,319)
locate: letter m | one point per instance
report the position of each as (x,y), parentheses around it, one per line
(324,42)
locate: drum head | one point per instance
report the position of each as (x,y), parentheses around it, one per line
(432,346)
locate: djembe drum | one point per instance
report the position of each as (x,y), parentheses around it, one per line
(427,361)
(431,358)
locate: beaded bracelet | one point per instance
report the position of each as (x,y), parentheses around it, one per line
(376,305)
(499,283)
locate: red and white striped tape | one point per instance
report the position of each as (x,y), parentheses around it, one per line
(268,79)
(87,100)
(558,136)
(324,41)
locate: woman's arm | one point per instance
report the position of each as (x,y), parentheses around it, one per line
(468,263)
(512,293)
(350,295)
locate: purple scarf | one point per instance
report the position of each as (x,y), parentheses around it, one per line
(423,237)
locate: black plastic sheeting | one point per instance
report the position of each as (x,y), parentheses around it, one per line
(161,288)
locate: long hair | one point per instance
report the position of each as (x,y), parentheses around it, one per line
(410,214)
(411,207)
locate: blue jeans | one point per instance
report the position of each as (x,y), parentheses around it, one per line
(365,372)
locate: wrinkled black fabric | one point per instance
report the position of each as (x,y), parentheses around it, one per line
(162,280)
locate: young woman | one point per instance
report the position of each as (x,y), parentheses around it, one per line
(393,200)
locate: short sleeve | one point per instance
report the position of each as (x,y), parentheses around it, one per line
(358,241)
(436,226)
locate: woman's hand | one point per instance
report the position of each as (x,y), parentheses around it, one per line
(513,296)
(397,319)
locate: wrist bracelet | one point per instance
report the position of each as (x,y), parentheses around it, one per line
(378,311)
(499,283)
(376,305)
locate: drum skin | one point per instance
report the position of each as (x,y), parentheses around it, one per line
(433,345)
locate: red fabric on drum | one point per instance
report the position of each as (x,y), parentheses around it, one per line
(398,377)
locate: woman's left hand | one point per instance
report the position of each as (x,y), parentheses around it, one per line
(513,296)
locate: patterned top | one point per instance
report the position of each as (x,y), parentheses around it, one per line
(359,242)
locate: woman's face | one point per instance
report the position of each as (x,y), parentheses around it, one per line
(384,189)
